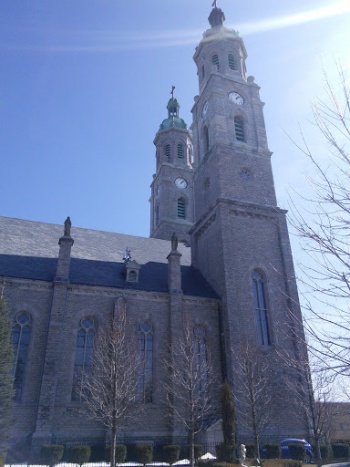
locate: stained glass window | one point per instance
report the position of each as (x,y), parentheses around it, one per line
(260,309)
(145,347)
(83,354)
(20,340)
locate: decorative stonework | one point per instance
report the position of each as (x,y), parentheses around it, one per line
(206,225)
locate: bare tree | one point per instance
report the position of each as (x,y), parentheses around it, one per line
(109,391)
(313,396)
(311,384)
(322,220)
(257,406)
(189,390)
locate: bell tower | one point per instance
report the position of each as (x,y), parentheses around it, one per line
(172,186)
(240,241)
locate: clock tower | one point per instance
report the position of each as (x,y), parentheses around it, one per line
(240,241)
(172,186)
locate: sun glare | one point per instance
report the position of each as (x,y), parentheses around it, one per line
(334,9)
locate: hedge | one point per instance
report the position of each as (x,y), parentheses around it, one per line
(297,451)
(225,453)
(80,454)
(51,454)
(341,450)
(171,453)
(272,451)
(250,450)
(144,453)
(198,451)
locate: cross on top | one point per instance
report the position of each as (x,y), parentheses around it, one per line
(172,91)
(215,3)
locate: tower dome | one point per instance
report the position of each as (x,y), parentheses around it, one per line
(173,119)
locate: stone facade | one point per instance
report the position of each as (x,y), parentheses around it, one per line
(236,281)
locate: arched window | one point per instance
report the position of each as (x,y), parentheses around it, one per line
(181,208)
(239,129)
(20,340)
(200,357)
(83,354)
(180,151)
(167,150)
(260,309)
(206,138)
(215,61)
(157,215)
(232,62)
(145,346)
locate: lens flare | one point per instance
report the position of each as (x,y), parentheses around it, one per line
(335,9)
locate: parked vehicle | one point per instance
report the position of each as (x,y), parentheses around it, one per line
(285,451)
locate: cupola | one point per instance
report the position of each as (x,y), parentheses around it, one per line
(173,119)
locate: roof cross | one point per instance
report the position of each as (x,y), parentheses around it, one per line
(172,92)
(215,3)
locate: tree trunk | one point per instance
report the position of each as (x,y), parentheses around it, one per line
(256,444)
(113,444)
(191,443)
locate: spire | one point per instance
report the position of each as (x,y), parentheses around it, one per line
(217,16)
(173,105)
(173,119)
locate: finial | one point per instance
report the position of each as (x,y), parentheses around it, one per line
(127,255)
(67,226)
(172,91)
(174,242)
(216,17)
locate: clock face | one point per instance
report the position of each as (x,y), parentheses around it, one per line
(236,98)
(205,108)
(181,183)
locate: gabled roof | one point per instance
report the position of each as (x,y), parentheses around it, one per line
(29,250)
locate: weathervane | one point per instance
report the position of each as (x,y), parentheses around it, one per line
(127,255)
(172,91)
(215,3)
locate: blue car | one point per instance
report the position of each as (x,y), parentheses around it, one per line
(285,451)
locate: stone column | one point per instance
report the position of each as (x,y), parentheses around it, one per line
(174,268)
(54,344)
(63,262)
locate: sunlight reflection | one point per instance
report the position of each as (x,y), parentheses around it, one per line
(335,9)
(110,41)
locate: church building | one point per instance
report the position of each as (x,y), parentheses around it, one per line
(218,257)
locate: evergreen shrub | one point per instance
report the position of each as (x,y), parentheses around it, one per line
(120,453)
(51,454)
(198,451)
(250,450)
(272,451)
(326,452)
(144,453)
(341,450)
(79,454)
(171,453)
(297,451)
(98,453)
(225,453)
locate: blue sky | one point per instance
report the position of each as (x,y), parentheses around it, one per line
(84,86)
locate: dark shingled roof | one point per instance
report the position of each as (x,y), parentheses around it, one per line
(29,250)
